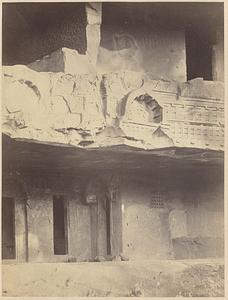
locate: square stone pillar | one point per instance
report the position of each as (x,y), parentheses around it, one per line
(218,57)
(93,32)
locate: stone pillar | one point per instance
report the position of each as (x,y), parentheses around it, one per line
(20,230)
(14,187)
(93,35)
(114,195)
(218,57)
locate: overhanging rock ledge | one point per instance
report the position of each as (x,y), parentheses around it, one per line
(93,109)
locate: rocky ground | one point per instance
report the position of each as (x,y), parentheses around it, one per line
(188,278)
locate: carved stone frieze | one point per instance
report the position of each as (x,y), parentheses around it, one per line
(103,109)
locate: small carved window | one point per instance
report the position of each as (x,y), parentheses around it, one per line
(157,200)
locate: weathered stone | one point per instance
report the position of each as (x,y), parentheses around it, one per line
(138,109)
(111,132)
(114,108)
(99,258)
(160,52)
(218,56)
(178,223)
(93,41)
(199,88)
(124,59)
(46,106)
(94,13)
(161,85)
(115,89)
(116,258)
(194,247)
(72,259)
(93,29)
(64,60)
(124,257)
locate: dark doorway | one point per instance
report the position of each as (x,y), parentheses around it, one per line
(108,225)
(8,228)
(198,55)
(60,225)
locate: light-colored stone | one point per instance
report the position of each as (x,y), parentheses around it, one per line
(64,60)
(45,106)
(93,35)
(124,59)
(161,85)
(94,13)
(199,88)
(160,52)
(218,57)
(178,223)
(114,108)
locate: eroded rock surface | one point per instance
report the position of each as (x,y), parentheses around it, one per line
(64,60)
(65,100)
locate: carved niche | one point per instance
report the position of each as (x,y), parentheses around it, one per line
(143,109)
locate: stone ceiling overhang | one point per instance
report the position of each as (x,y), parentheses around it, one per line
(18,154)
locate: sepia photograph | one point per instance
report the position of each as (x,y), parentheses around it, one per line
(112,124)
